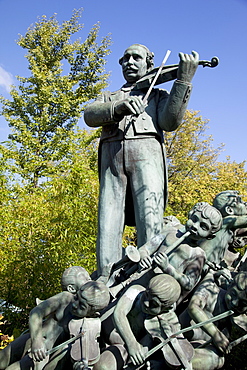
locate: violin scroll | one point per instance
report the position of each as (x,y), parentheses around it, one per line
(212,63)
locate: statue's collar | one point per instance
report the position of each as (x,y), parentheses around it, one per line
(128,87)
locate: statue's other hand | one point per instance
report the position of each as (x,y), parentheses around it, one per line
(187,66)
(38,350)
(137,353)
(221,341)
(78,365)
(145,263)
(161,260)
(131,105)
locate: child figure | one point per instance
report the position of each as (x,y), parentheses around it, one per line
(210,300)
(234,213)
(140,316)
(184,262)
(48,324)
(84,352)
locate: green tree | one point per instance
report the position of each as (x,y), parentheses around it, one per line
(48,220)
(49,229)
(194,171)
(47,104)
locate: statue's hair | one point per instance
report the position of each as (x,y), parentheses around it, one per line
(241,280)
(96,294)
(166,288)
(225,198)
(149,58)
(209,212)
(70,274)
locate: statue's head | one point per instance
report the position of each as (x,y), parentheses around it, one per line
(162,292)
(203,221)
(91,298)
(236,295)
(229,202)
(73,278)
(136,62)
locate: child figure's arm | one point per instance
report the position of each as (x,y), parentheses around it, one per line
(235,222)
(204,296)
(162,261)
(123,307)
(152,245)
(186,279)
(49,306)
(165,239)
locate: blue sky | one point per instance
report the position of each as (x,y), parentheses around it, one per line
(211,27)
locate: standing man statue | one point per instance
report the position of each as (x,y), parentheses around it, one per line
(133,178)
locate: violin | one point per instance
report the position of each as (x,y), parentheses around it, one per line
(178,351)
(86,348)
(169,73)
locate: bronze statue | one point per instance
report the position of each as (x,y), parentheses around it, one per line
(50,323)
(211,341)
(133,176)
(234,213)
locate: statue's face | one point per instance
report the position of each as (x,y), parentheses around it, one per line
(134,64)
(151,304)
(236,299)
(239,206)
(80,306)
(199,226)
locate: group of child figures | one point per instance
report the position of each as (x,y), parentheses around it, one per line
(174,309)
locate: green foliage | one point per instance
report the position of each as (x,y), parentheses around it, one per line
(53,227)
(5,339)
(47,105)
(194,172)
(48,168)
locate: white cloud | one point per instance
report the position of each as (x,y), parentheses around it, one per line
(6,79)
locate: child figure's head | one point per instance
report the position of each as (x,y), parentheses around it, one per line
(203,221)
(162,292)
(236,295)
(229,203)
(91,298)
(73,278)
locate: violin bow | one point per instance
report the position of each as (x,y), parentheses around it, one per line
(236,342)
(71,340)
(156,76)
(230,346)
(195,326)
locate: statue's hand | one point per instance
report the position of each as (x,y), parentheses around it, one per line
(131,105)
(38,349)
(221,341)
(137,353)
(187,66)
(161,260)
(78,365)
(146,262)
